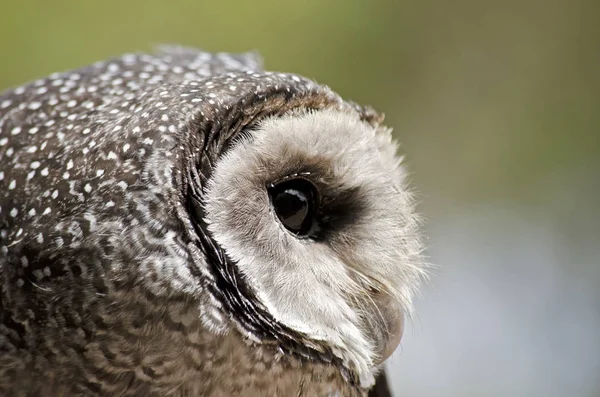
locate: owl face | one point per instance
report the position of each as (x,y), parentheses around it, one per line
(313,210)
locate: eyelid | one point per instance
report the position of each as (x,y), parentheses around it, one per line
(306,175)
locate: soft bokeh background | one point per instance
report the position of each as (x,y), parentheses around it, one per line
(496,104)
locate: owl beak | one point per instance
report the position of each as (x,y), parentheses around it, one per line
(390,332)
(395,329)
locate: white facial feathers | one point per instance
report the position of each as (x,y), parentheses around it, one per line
(331,289)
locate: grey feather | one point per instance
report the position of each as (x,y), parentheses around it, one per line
(140,255)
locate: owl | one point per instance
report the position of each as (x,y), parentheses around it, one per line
(187,224)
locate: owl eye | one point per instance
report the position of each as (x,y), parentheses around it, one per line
(295,203)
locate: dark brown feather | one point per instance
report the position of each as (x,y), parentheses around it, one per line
(381,388)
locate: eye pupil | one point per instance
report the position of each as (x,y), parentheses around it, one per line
(292,207)
(294,204)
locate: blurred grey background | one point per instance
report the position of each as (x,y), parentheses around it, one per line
(496,106)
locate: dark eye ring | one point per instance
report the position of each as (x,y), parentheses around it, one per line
(295,202)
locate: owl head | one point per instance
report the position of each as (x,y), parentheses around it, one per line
(187,203)
(310,213)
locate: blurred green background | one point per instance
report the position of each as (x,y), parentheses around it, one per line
(495,104)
